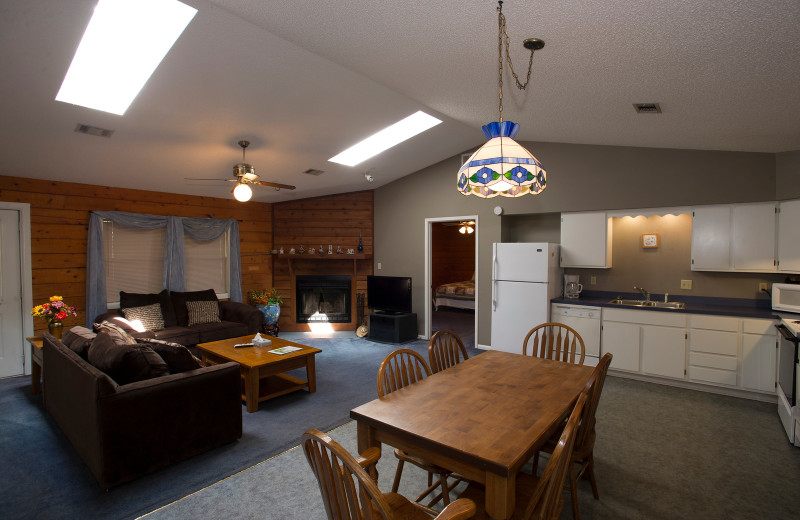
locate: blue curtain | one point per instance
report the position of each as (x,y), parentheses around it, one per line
(174,255)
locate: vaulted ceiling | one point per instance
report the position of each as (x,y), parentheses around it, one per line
(304,79)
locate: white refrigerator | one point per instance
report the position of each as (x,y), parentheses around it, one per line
(525,277)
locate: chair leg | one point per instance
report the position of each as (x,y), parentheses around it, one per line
(573,491)
(535,464)
(590,471)
(397,474)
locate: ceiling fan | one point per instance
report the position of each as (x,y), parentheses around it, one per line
(465,227)
(244,174)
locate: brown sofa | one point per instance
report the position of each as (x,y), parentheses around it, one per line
(237,319)
(125,431)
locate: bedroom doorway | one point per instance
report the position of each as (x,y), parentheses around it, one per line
(451,255)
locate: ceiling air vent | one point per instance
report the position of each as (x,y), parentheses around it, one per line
(312,171)
(647,108)
(93,130)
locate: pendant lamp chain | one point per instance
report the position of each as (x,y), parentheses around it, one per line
(503,31)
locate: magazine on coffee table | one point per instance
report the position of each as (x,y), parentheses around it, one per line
(284,350)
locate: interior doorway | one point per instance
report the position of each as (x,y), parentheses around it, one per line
(15,288)
(451,266)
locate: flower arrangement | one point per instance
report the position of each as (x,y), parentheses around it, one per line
(264,297)
(55,310)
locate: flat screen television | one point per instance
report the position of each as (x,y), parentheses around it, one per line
(390,294)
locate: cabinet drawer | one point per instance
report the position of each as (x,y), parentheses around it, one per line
(703,321)
(699,359)
(714,342)
(758,327)
(712,375)
(665,319)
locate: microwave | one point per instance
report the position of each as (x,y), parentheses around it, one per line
(786,297)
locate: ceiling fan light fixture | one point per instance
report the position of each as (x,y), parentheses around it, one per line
(242,192)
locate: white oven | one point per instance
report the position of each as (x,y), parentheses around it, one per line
(788,368)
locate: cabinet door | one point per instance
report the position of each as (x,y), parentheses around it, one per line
(622,341)
(711,238)
(754,237)
(789,237)
(759,362)
(664,351)
(585,240)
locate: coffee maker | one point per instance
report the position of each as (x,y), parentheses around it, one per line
(572,289)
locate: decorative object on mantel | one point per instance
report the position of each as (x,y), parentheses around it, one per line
(360,244)
(302,250)
(351,251)
(269,302)
(292,251)
(649,240)
(321,249)
(281,250)
(501,166)
(330,249)
(311,251)
(54,312)
(339,250)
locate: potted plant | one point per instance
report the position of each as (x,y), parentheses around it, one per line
(268,301)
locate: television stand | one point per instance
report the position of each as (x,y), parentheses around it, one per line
(392,328)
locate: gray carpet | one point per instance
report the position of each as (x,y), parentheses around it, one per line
(661,453)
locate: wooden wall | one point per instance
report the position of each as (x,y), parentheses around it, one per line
(60,221)
(453,255)
(335,220)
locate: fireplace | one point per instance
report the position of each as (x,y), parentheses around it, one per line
(323,299)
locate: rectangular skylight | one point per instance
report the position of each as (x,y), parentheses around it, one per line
(121,48)
(390,136)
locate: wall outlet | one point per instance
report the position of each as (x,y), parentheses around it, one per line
(379,266)
(592,280)
(762,287)
(686,284)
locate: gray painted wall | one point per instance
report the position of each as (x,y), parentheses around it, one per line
(580,177)
(787,169)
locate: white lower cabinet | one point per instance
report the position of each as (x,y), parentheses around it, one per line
(759,355)
(664,351)
(622,341)
(714,349)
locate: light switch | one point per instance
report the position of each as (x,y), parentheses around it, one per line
(592,280)
(379,265)
(686,284)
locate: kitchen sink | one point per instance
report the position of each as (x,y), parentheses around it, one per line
(643,303)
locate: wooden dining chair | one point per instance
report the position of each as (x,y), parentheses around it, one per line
(555,341)
(445,349)
(582,459)
(349,493)
(402,368)
(542,497)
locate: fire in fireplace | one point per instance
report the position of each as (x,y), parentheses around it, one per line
(324,299)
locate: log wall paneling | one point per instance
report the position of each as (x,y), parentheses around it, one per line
(335,220)
(453,255)
(60,221)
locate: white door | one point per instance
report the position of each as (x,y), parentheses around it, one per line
(519,261)
(520,306)
(11,339)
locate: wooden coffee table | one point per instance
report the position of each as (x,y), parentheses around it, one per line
(262,372)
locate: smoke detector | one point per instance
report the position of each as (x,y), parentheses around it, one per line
(647,108)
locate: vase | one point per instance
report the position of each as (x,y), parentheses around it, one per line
(55,328)
(270,312)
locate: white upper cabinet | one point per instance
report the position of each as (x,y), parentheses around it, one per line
(585,240)
(734,237)
(789,236)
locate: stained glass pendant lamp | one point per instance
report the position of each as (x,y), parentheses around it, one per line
(502,166)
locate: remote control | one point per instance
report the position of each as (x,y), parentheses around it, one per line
(242,345)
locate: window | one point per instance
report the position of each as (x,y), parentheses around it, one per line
(207,265)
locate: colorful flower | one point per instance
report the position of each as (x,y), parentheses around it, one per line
(55,310)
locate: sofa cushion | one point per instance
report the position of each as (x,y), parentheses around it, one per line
(127,300)
(125,363)
(117,333)
(79,339)
(181,335)
(202,312)
(177,357)
(179,300)
(148,315)
(222,330)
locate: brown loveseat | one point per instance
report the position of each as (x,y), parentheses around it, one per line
(125,431)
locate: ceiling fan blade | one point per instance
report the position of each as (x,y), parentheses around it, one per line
(274,185)
(203,179)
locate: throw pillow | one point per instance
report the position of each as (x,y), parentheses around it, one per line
(149,315)
(202,312)
(79,339)
(179,300)
(178,358)
(127,300)
(117,333)
(125,363)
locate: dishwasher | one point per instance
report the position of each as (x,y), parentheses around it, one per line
(586,322)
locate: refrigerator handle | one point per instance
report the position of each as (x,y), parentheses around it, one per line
(494,277)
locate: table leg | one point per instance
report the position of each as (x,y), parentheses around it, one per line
(250,389)
(311,374)
(500,496)
(36,378)
(366,439)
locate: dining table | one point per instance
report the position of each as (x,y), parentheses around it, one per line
(483,418)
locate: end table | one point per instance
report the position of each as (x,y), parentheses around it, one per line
(36,363)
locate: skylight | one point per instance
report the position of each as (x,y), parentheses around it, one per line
(390,136)
(121,48)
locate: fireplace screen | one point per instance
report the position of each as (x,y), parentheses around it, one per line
(323,299)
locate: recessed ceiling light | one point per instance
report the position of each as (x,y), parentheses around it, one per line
(121,48)
(390,136)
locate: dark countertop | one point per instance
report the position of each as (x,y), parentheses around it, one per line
(740,307)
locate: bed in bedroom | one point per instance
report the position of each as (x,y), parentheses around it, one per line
(460,295)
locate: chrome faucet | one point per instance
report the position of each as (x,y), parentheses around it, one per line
(644,293)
